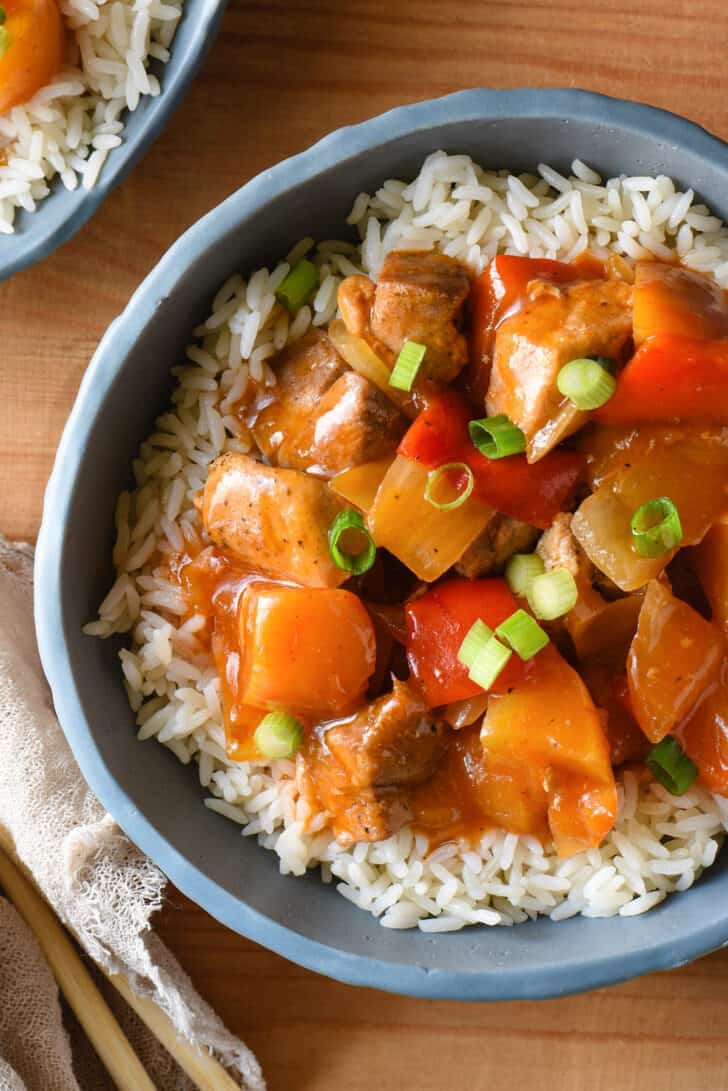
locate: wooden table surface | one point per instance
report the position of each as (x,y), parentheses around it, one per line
(283,73)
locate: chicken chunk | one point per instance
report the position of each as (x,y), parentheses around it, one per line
(361,767)
(419,297)
(324,418)
(558,548)
(602,619)
(271,520)
(356,299)
(558,323)
(392,741)
(355,424)
(491,550)
(362,814)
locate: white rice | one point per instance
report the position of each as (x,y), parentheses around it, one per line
(659,844)
(71,126)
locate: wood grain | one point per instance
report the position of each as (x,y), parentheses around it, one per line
(282,74)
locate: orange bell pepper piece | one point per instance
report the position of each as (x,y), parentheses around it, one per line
(704,737)
(310,651)
(674,658)
(32,45)
(546,726)
(511,793)
(671,300)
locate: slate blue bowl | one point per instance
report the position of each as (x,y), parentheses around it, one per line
(63,213)
(154,798)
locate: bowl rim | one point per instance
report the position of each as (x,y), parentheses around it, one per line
(522,983)
(41,241)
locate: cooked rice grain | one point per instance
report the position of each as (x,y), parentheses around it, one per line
(660,843)
(71,126)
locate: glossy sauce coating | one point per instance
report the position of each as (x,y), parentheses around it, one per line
(541,761)
(443,808)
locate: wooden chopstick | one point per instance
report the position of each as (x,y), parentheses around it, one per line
(74,980)
(201,1067)
(87,1002)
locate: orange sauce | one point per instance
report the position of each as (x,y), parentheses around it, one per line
(212,585)
(444,808)
(500,291)
(449,805)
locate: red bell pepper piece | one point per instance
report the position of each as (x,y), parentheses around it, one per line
(497,291)
(439,433)
(534,493)
(437,624)
(671,378)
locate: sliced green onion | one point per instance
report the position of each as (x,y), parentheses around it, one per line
(408,363)
(523,634)
(522,570)
(497,437)
(2,15)
(488,663)
(607,362)
(278,735)
(5,40)
(656,527)
(435,478)
(361,561)
(475,640)
(295,289)
(586,382)
(670,765)
(553,594)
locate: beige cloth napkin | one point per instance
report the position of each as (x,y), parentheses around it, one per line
(100,885)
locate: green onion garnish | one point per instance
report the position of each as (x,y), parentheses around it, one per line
(656,527)
(408,363)
(607,362)
(553,594)
(523,634)
(587,382)
(435,478)
(295,289)
(475,640)
(522,570)
(670,765)
(5,40)
(361,561)
(278,735)
(497,437)
(488,663)
(2,15)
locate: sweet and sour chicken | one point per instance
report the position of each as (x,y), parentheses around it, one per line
(453,586)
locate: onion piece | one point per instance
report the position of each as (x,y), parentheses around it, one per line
(601,527)
(362,359)
(359,485)
(567,420)
(428,541)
